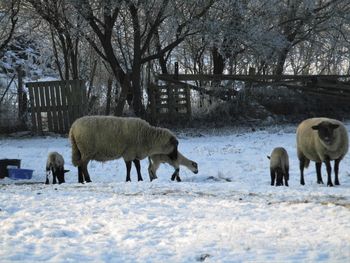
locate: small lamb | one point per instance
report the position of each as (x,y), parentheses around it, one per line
(279,166)
(55,166)
(157,159)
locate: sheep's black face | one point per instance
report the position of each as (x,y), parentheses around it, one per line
(326,131)
(60,175)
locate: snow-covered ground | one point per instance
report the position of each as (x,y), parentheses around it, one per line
(226,213)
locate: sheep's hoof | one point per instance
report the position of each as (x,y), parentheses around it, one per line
(320,182)
(330,184)
(336,183)
(302,183)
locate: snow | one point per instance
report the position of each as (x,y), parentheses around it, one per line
(228,212)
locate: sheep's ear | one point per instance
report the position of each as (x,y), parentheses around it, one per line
(334,126)
(315,127)
(268,157)
(65,171)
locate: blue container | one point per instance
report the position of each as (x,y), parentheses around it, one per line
(17,174)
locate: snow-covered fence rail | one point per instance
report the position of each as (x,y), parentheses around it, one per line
(56,104)
(329,85)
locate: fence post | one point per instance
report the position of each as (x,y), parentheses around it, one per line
(22,99)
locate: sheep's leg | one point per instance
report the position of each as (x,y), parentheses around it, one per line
(138,169)
(318,172)
(80,175)
(301,167)
(128,168)
(336,171)
(329,172)
(273,176)
(86,172)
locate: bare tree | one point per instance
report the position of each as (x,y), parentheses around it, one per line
(126,31)
(62,24)
(8,21)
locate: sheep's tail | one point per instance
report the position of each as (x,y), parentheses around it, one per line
(76,155)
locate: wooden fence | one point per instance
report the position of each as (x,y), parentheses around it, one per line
(170,102)
(328,85)
(56,104)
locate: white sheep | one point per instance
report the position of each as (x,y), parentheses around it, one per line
(279,166)
(321,140)
(157,159)
(55,166)
(104,138)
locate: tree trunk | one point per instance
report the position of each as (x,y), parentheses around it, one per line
(281,61)
(218,61)
(109,95)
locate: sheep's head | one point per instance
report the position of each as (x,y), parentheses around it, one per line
(325,131)
(60,175)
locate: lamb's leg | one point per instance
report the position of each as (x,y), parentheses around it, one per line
(318,172)
(329,172)
(301,167)
(273,176)
(86,172)
(128,168)
(286,176)
(152,170)
(47,177)
(80,175)
(54,177)
(279,180)
(175,175)
(178,179)
(336,171)
(138,169)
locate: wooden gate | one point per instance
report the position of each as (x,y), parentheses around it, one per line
(170,102)
(56,104)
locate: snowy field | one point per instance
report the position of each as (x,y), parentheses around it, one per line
(228,212)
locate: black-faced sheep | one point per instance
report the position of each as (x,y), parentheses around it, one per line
(55,166)
(104,138)
(156,160)
(321,140)
(279,166)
